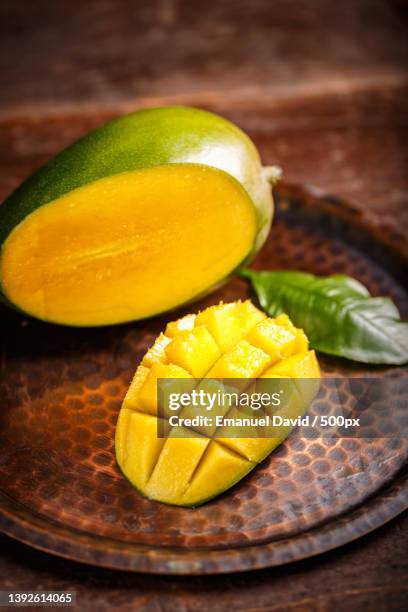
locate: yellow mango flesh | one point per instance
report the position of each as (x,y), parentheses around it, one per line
(228,324)
(128,246)
(233,340)
(194,350)
(137,445)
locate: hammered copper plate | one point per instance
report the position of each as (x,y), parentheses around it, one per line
(61,390)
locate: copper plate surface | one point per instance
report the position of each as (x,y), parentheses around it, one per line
(61,390)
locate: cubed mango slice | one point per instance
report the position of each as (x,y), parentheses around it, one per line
(189,465)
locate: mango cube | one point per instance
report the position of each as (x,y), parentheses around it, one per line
(274,339)
(302,343)
(194,350)
(132,396)
(241,361)
(302,365)
(183,324)
(227,322)
(179,457)
(147,400)
(157,352)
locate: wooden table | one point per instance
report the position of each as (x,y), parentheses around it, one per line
(322,87)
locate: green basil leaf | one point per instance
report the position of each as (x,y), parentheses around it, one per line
(337,313)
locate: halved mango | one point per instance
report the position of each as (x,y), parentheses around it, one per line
(228,341)
(128,246)
(141,215)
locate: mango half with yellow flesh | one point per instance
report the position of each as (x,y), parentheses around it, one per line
(141,215)
(234,340)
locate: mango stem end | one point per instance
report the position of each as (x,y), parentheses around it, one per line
(273,174)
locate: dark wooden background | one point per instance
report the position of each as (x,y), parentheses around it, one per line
(322,88)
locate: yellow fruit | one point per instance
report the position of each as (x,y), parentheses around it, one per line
(194,350)
(185,323)
(228,341)
(157,352)
(226,322)
(139,216)
(147,398)
(241,361)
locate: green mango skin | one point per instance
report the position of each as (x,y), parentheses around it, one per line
(143,139)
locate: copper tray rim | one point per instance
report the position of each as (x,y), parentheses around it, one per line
(388,502)
(33,530)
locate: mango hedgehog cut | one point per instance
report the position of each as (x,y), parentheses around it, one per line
(234,340)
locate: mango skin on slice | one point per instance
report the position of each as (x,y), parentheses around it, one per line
(98,235)
(234,340)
